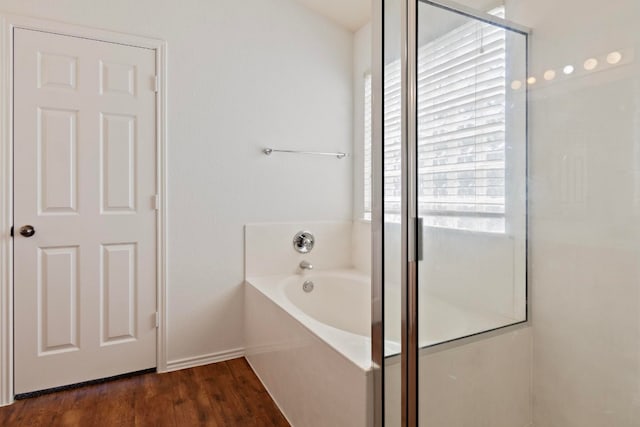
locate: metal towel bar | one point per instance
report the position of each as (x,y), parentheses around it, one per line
(338,155)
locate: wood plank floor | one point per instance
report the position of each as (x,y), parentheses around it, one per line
(223,394)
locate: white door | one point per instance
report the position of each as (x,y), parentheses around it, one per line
(84,179)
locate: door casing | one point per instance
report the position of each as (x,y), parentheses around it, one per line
(8,23)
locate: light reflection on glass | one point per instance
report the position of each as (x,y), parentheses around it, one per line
(590,64)
(614,57)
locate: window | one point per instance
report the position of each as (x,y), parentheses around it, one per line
(461,130)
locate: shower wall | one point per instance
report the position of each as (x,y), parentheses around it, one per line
(584,211)
(485,382)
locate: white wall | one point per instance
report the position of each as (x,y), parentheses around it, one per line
(361,246)
(362,40)
(242,75)
(585,213)
(269,249)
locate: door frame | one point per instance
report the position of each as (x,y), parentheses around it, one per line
(8,23)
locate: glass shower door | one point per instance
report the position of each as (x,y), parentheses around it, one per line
(470,173)
(466,213)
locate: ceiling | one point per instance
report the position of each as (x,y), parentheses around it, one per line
(351,14)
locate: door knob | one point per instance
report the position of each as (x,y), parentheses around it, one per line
(27,230)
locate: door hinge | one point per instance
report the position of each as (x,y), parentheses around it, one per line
(155,200)
(157,319)
(156,84)
(11,231)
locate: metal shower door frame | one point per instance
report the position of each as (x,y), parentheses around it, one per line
(410,219)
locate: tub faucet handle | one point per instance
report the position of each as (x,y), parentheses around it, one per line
(306,265)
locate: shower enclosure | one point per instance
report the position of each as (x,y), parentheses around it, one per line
(451,205)
(506,273)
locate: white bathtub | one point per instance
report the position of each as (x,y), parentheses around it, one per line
(439,320)
(338,310)
(312,351)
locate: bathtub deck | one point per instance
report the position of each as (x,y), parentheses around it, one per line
(222,394)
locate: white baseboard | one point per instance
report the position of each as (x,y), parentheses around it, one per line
(192,362)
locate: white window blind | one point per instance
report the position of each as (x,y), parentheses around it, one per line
(461,129)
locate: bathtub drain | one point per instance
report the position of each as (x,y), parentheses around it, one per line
(307,286)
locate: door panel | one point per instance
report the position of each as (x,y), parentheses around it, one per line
(118,296)
(117,141)
(57,161)
(57,300)
(84,155)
